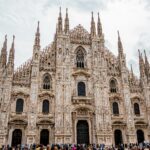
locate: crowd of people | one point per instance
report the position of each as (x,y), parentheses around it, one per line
(141,146)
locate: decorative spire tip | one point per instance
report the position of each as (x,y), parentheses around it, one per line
(6,37)
(13,38)
(118,33)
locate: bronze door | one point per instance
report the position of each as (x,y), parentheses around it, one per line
(140,136)
(44,137)
(16,137)
(82,132)
(118,137)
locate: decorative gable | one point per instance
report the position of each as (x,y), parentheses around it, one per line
(79,35)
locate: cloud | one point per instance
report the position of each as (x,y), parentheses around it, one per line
(131,17)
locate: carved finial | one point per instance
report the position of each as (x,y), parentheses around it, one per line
(3,57)
(5,42)
(147,67)
(6,37)
(93,29)
(13,38)
(37,36)
(13,41)
(38,27)
(10,64)
(141,65)
(66,27)
(59,11)
(118,36)
(139,52)
(120,47)
(132,70)
(99,27)
(60,22)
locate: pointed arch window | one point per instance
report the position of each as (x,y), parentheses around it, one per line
(45,108)
(46,82)
(113,86)
(19,105)
(80,59)
(115,108)
(81,89)
(136,109)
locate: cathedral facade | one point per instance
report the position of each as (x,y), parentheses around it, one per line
(73,91)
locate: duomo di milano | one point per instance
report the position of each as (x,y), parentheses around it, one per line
(73,91)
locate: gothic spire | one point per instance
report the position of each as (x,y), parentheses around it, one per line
(60,22)
(3,57)
(66,27)
(146,64)
(37,36)
(11,52)
(99,27)
(141,65)
(120,47)
(93,29)
(132,71)
(132,74)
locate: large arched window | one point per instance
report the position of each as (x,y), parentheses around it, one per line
(115,108)
(19,106)
(45,108)
(81,89)
(80,59)
(136,109)
(113,86)
(46,82)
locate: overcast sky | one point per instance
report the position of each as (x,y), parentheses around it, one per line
(130,17)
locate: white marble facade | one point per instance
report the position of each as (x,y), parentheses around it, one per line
(83,83)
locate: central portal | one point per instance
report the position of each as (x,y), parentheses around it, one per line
(82,132)
(44,137)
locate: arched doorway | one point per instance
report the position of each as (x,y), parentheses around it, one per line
(16,137)
(140,136)
(118,137)
(44,137)
(82,132)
